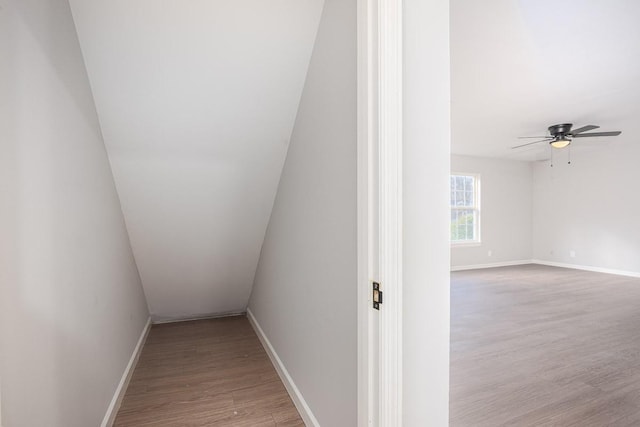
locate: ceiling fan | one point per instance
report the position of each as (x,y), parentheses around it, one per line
(561,135)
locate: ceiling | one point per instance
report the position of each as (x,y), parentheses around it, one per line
(519,66)
(196,100)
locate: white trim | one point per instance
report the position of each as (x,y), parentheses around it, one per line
(491,265)
(550,264)
(367,122)
(587,268)
(380,211)
(298,400)
(199,317)
(116,401)
(389,74)
(466,244)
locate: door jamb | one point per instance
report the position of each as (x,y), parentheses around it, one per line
(366,139)
(379,190)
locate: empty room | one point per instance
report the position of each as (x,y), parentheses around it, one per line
(196,228)
(330,213)
(545,282)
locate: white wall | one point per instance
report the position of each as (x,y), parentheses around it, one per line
(506,211)
(304,294)
(589,207)
(426,214)
(197,101)
(71,305)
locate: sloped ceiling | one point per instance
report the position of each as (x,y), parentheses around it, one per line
(197,100)
(519,66)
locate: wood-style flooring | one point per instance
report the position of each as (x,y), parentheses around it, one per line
(205,373)
(543,346)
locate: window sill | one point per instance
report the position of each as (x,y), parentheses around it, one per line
(466,244)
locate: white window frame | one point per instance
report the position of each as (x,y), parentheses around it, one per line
(476,208)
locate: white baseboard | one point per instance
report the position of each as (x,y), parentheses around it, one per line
(491,265)
(587,268)
(114,406)
(298,400)
(550,264)
(161,320)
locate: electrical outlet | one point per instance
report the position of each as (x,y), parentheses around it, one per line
(572,254)
(490,253)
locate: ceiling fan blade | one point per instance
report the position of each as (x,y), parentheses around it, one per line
(584,129)
(526,137)
(531,143)
(584,135)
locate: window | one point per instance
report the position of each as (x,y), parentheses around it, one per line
(465,208)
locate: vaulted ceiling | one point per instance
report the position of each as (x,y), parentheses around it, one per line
(519,66)
(196,100)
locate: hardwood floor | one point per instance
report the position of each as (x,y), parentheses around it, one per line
(543,346)
(206,373)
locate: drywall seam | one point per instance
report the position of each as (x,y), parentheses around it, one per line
(297,397)
(491,265)
(114,406)
(588,268)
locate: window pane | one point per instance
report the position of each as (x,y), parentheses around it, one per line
(462,190)
(462,224)
(468,184)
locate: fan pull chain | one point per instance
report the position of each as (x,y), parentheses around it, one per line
(551,148)
(569,147)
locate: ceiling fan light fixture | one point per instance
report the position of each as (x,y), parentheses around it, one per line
(560,142)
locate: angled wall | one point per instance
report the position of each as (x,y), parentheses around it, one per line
(304,294)
(71,302)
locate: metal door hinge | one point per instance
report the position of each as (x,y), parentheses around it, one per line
(377,295)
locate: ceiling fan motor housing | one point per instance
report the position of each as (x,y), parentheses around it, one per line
(560,130)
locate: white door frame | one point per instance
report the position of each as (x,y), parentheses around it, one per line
(380,211)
